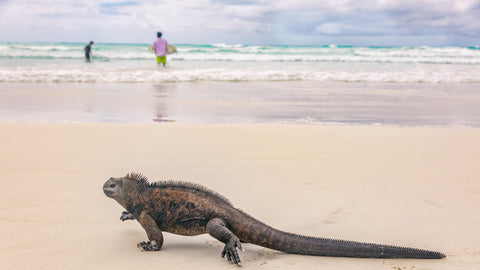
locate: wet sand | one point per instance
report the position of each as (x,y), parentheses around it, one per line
(396,104)
(417,187)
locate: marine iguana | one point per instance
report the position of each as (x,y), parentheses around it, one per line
(189,209)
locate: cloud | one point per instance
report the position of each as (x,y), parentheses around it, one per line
(250,21)
(331,29)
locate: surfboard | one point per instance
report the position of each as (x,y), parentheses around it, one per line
(170,49)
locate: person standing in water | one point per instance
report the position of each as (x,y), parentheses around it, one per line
(160,48)
(88,51)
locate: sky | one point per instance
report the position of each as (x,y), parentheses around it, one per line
(255,22)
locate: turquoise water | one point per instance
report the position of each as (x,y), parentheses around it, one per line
(64,62)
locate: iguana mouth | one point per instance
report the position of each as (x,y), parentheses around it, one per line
(107,188)
(107,192)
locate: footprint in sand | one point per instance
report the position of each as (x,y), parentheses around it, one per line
(336,216)
(264,255)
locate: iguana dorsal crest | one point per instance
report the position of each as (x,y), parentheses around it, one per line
(144,184)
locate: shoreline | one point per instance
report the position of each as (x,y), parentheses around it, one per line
(297,124)
(408,186)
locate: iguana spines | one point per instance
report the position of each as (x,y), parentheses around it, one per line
(172,184)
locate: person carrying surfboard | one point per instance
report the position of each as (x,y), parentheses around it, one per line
(160,47)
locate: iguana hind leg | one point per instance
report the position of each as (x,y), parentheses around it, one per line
(218,229)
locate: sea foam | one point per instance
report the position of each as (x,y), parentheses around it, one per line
(63,62)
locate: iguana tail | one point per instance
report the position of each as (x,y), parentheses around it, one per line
(258,233)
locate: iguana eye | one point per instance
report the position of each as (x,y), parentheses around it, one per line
(112,185)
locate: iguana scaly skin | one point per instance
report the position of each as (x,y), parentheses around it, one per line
(189,209)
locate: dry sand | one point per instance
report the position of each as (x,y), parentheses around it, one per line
(416,187)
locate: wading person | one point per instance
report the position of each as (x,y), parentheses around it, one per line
(88,51)
(160,48)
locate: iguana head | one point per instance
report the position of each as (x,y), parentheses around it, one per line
(114,188)
(125,188)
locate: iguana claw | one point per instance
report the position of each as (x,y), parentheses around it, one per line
(126,216)
(231,252)
(148,245)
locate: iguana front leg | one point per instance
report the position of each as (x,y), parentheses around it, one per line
(218,229)
(126,216)
(154,234)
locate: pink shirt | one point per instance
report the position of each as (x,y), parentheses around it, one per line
(160,47)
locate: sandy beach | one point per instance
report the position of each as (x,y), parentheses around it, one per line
(410,186)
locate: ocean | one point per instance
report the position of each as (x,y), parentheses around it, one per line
(132,63)
(221,83)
